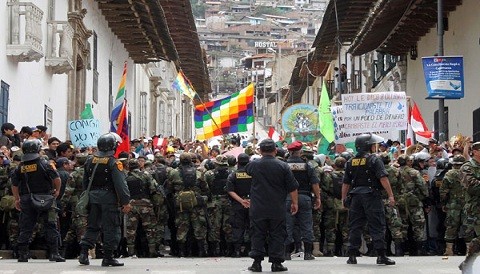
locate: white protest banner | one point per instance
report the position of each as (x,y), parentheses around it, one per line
(84,133)
(342,137)
(371,112)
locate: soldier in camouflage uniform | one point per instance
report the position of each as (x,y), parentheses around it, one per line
(452,196)
(5,205)
(410,206)
(184,180)
(73,190)
(341,213)
(141,186)
(394,221)
(219,207)
(317,213)
(471,183)
(329,211)
(159,202)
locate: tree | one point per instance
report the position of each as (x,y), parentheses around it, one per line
(198,8)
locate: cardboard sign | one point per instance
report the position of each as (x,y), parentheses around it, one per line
(84,133)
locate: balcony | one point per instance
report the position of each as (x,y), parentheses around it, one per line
(24,41)
(59,47)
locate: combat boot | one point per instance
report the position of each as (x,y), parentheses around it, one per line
(330,251)
(448,250)
(160,249)
(288,252)
(352,256)
(237,248)
(22,254)
(278,267)
(370,252)
(152,251)
(316,250)
(202,249)
(55,256)
(308,251)
(399,249)
(421,249)
(256,266)
(108,259)
(131,251)
(383,259)
(181,250)
(216,249)
(83,258)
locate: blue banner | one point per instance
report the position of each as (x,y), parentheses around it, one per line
(444,77)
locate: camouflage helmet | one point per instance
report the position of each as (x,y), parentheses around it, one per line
(385,158)
(403,159)
(81,158)
(340,162)
(209,164)
(185,158)
(133,164)
(347,155)
(442,163)
(458,160)
(231,160)
(221,160)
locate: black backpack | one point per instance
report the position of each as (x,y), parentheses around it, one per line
(188,175)
(337,181)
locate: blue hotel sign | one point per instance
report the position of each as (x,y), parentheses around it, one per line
(444,77)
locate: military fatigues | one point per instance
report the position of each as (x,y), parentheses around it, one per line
(73,190)
(240,183)
(329,212)
(272,182)
(317,214)
(410,203)
(362,174)
(108,192)
(194,216)
(340,217)
(306,178)
(159,203)
(394,221)
(141,185)
(452,196)
(7,204)
(39,175)
(219,207)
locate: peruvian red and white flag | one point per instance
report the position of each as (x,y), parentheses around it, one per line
(160,143)
(274,135)
(410,136)
(422,134)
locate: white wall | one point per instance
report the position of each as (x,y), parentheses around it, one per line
(462,38)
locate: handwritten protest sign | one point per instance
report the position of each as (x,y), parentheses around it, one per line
(342,137)
(372,112)
(84,133)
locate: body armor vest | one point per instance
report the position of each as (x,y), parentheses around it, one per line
(361,174)
(189,176)
(243,182)
(35,174)
(102,179)
(219,182)
(300,171)
(161,174)
(137,186)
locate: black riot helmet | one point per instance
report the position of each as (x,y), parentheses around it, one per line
(31,149)
(231,160)
(442,163)
(243,159)
(364,141)
(346,155)
(107,144)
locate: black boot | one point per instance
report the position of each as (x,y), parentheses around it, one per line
(55,256)
(83,258)
(108,259)
(237,250)
(383,259)
(278,267)
(23,253)
(421,248)
(160,248)
(256,266)
(352,256)
(370,252)
(288,252)
(216,249)
(181,250)
(308,251)
(399,249)
(202,249)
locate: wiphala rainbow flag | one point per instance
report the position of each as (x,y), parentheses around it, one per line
(231,114)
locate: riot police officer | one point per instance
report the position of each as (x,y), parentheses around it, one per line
(364,176)
(308,182)
(238,187)
(108,190)
(35,176)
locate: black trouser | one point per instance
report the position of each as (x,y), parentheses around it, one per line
(240,222)
(277,232)
(29,217)
(366,208)
(106,218)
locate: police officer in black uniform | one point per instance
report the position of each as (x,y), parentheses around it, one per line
(34,175)
(238,187)
(272,181)
(108,192)
(308,182)
(365,175)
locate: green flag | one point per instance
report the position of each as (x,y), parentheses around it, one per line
(87,112)
(325,117)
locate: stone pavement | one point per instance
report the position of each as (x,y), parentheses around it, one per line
(170,265)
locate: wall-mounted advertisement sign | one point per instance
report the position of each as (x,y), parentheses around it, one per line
(444,77)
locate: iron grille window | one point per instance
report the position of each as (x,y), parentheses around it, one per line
(4,92)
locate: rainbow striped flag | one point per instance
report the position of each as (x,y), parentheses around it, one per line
(118,118)
(183,85)
(228,115)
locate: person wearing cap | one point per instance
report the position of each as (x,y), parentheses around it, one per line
(471,184)
(452,198)
(272,181)
(35,176)
(64,167)
(308,184)
(365,176)
(219,207)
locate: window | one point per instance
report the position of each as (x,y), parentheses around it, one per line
(4,91)
(48,118)
(95,71)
